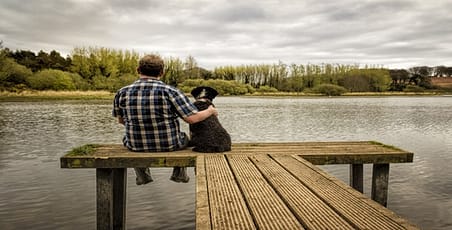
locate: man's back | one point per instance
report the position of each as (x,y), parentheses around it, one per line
(150,110)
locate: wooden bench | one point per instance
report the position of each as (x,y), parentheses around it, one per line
(258,185)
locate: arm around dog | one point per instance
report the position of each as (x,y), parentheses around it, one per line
(201,115)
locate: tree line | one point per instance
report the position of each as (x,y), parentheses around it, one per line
(98,68)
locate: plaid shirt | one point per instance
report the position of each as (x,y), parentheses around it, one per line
(150,110)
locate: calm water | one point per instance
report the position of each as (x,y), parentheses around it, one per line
(36,194)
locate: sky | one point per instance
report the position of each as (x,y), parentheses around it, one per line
(388,33)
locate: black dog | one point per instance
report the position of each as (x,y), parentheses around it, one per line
(208,136)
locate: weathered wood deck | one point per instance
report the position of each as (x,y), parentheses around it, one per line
(259,185)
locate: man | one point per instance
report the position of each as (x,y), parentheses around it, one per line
(149,109)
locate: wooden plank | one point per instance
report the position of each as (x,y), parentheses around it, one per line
(345,146)
(267,208)
(126,161)
(343,199)
(357,177)
(310,210)
(228,209)
(380,183)
(202,197)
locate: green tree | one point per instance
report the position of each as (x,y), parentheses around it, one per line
(12,74)
(97,65)
(174,71)
(380,79)
(27,59)
(366,80)
(191,68)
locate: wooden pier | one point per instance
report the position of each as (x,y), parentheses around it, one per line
(259,185)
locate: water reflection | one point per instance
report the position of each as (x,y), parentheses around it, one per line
(35,193)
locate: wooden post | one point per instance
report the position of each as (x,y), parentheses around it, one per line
(111,198)
(119,198)
(356,177)
(380,182)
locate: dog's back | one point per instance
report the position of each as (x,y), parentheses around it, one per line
(209,136)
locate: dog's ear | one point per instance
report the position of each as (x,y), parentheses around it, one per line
(204,92)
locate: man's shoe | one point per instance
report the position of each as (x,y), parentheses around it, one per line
(143,176)
(180,175)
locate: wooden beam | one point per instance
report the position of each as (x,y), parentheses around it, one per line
(117,156)
(356,177)
(104,197)
(119,198)
(380,182)
(111,198)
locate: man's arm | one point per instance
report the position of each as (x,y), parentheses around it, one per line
(201,115)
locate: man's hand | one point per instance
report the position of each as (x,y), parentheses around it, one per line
(201,115)
(121,120)
(213,110)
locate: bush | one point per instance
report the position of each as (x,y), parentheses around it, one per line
(413,88)
(113,83)
(51,79)
(79,82)
(329,89)
(266,89)
(12,74)
(222,86)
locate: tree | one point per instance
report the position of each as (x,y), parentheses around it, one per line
(92,63)
(191,68)
(56,61)
(12,74)
(174,71)
(420,76)
(27,59)
(400,79)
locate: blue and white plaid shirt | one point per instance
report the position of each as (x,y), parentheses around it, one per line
(150,110)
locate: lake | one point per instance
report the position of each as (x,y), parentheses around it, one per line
(35,193)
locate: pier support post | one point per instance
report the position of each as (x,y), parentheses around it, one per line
(356,177)
(380,181)
(111,187)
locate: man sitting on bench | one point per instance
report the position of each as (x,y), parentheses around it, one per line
(149,110)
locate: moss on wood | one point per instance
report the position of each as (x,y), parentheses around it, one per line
(84,150)
(385,146)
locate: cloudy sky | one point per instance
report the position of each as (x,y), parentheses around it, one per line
(392,33)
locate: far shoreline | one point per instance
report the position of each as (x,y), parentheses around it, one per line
(46,95)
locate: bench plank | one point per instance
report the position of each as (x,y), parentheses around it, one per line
(267,208)
(365,152)
(351,204)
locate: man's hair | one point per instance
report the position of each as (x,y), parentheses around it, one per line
(150,65)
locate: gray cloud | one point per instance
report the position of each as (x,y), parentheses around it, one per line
(394,33)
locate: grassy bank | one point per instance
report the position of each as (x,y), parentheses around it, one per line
(105,95)
(55,95)
(357,94)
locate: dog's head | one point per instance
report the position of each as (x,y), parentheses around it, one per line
(204,92)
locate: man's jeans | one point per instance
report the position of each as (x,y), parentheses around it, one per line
(179,173)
